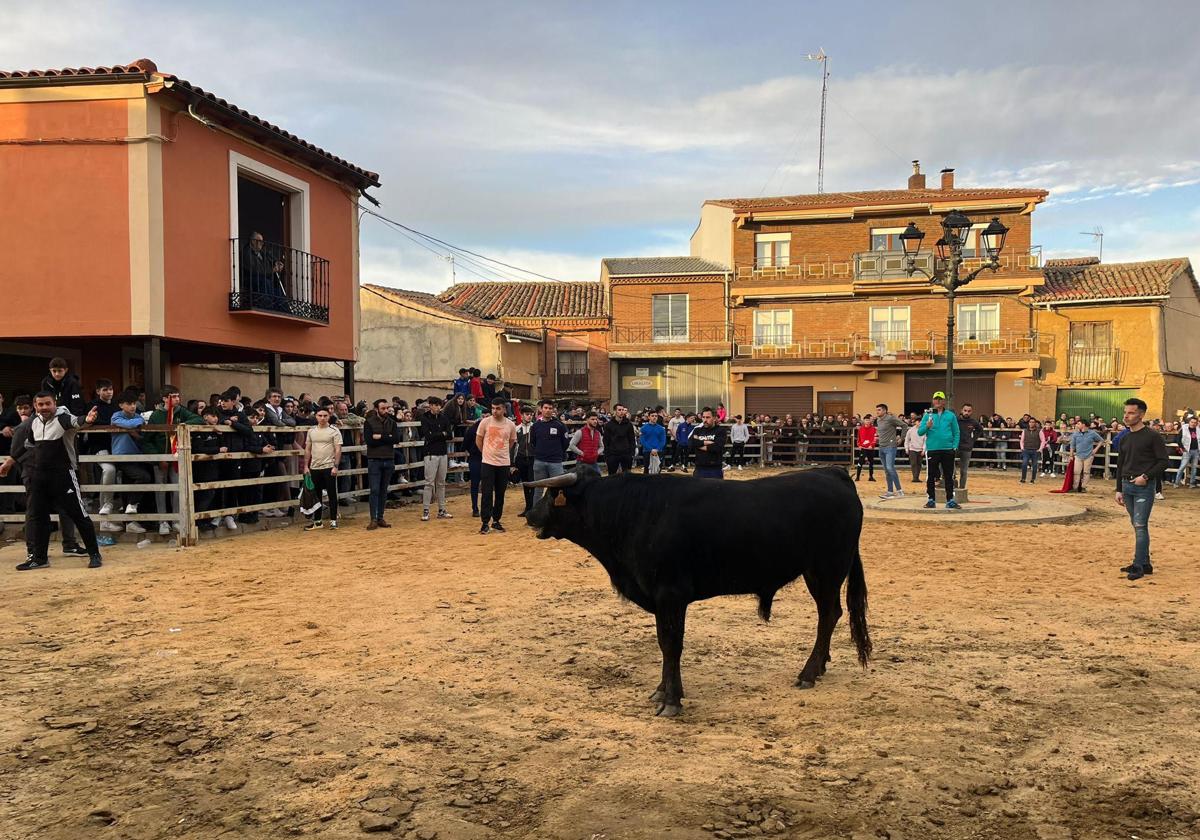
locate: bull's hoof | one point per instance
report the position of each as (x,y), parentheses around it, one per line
(658,696)
(803,683)
(669,710)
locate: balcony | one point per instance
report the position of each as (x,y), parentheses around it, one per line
(709,339)
(867,267)
(1090,364)
(895,348)
(272,279)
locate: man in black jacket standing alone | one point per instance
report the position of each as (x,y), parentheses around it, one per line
(619,441)
(708,446)
(969,430)
(1141,459)
(379,433)
(436,431)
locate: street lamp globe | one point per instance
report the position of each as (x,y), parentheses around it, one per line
(992,237)
(942,248)
(910,240)
(956,226)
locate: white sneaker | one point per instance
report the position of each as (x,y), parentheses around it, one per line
(230,523)
(1159,496)
(106,509)
(274,513)
(739,466)
(111,527)
(134,528)
(403,480)
(216,520)
(164,528)
(899,494)
(131,508)
(887,495)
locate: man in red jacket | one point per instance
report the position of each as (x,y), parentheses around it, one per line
(588,443)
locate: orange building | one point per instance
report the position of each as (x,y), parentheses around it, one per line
(573,323)
(147,223)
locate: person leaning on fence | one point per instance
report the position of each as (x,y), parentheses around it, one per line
(1189,451)
(1084,443)
(739,436)
(914,446)
(230,469)
(379,435)
(939,427)
(21,411)
(49,462)
(866,442)
(277,414)
(168,412)
(207,442)
(322,454)
(101,443)
(129,442)
(436,431)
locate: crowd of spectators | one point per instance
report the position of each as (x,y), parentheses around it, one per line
(434,441)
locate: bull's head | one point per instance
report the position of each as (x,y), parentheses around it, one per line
(558,513)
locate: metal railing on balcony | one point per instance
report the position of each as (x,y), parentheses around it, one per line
(867,266)
(710,332)
(573,382)
(272,278)
(1090,364)
(890,347)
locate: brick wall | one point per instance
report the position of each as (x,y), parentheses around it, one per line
(842,318)
(632,307)
(840,239)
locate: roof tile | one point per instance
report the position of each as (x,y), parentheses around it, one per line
(651,266)
(579,299)
(868,197)
(1087,279)
(433,302)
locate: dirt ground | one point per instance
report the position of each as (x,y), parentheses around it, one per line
(436,683)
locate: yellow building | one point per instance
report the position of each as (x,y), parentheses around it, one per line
(1117,330)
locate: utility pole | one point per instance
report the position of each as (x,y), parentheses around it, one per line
(824,59)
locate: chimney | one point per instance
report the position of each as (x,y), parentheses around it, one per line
(916,181)
(948,178)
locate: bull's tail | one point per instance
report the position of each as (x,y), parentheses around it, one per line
(856,602)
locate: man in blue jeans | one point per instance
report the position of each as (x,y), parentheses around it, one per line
(1141,459)
(891,431)
(379,434)
(1189,451)
(549,438)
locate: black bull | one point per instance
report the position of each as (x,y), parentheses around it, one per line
(667,541)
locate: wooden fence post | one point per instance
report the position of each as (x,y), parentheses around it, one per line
(188,533)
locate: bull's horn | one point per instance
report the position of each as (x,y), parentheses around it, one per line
(564,480)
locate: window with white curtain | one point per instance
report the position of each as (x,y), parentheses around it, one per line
(772,250)
(772,327)
(890,326)
(670,317)
(978,321)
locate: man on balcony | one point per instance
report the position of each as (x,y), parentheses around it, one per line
(262,274)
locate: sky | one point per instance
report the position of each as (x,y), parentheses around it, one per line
(551,135)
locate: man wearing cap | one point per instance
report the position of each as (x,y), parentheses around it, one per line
(939,427)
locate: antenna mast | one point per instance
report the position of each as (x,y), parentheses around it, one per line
(1097,234)
(824,59)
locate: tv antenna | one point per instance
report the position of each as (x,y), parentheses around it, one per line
(1097,234)
(824,59)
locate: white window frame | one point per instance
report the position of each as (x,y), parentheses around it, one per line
(299,207)
(890,332)
(673,335)
(889,231)
(776,260)
(768,335)
(972,248)
(979,333)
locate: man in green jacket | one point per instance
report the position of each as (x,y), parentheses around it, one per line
(939,427)
(170,413)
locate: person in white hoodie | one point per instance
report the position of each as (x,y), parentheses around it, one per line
(1189,450)
(739,436)
(914,444)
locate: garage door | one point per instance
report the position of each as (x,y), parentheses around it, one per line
(1106,402)
(796,400)
(977,389)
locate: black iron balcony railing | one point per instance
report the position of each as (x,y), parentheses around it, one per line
(1090,364)
(714,332)
(571,382)
(274,279)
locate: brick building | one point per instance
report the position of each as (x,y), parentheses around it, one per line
(573,323)
(825,319)
(670,339)
(131,199)
(1119,330)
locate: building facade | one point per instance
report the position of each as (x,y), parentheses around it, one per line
(1119,330)
(570,318)
(148,223)
(670,340)
(825,319)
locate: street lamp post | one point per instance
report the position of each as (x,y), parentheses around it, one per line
(955,229)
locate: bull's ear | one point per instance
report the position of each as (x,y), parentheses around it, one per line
(560,499)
